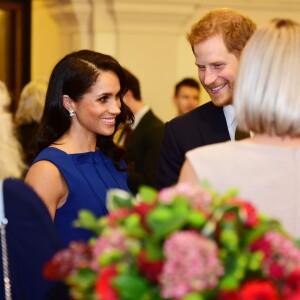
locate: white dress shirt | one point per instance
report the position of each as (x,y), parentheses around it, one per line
(229,113)
(139,115)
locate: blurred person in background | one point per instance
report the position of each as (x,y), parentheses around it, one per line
(29,112)
(28,237)
(11,161)
(142,140)
(186,95)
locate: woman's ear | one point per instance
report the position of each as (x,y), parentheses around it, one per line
(68,103)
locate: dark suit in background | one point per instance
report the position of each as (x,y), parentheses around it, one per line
(204,125)
(142,148)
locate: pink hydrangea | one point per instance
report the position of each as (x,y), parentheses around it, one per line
(115,239)
(281,256)
(191,265)
(198,197)
(66,262)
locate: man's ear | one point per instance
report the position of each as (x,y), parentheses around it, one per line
(68,103)
(128,95)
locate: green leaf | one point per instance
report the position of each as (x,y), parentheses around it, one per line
(87,220)
(85,277)
(117,198)
(180,204)
(133,227)
(130,286)
(147,193)
(110,257)
(82,284)
(255,261)
(154,251)
(235,265)
(196,219)
(193,296)
(229,238)
(163,221)
(167,218)
(229,282)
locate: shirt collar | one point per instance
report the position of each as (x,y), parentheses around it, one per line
(229,113)
(139,115)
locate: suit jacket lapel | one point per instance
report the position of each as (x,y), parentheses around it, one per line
(215,126)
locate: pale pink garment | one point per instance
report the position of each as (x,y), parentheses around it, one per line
(267,176)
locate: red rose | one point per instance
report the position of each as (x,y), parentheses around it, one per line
(295,296)
(251,216)
(230,216)
(262,245)
(104,288)
(143,209)
(275,270)
(150,269)
(258,290)
(291,288)
(117,215)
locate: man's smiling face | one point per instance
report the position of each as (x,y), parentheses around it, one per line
(217,69)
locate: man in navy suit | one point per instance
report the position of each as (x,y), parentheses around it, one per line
(143,145)
(217,41)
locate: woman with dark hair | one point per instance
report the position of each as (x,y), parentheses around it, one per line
(77,160)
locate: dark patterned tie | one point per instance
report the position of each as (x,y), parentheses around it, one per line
(240,135)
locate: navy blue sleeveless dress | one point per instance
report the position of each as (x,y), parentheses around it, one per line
(89,176)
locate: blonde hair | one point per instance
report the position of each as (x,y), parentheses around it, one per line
(266,95)
(32,101)
(234,28)
(10,150)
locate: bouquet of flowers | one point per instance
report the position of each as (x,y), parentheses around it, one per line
(185,242)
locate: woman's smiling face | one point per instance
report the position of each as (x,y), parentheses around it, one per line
(97,109)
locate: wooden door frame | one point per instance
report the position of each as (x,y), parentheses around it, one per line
(18,71)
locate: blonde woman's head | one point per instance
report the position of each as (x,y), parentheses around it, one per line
(31,103)
(266,94)
(10,150)
(4,97)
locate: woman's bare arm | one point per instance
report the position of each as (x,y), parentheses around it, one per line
(187,173)
(49,184)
